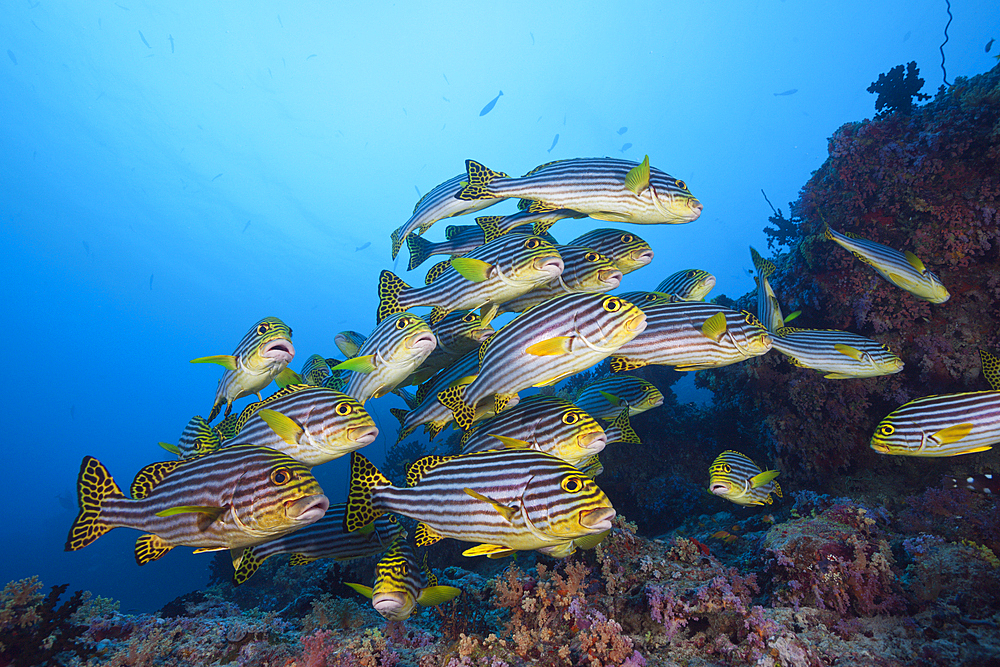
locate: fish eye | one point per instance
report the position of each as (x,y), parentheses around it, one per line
(471,317)
(592,257)
(885,430)
(281,476)
(402,323)
(627,238)
(649,389)
(612,304)
(263,328)
(726,468)
(532,243)
(681,184)
(691,274)
(570,418)
(344,409)
(571,484)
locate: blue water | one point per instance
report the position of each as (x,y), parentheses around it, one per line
(155,201)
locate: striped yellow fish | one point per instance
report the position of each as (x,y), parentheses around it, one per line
(238,496)
(604,398)
(397,347)
(543,345)
(438,204)
(325,538)
(626,251)
(401,583)
(457,334)
(584,270)
(503,500)
(644,299)
(735,477)
(768,308)
(620,429)
(688,285)
(464,242)
(533,217)
(493,273)
(902,269)
(349,342)
(693,335)
(947,424)
(264,353)
(602,188)
(542,423)
(839,354)
(314,371)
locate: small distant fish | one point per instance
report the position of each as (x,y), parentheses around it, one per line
(622,130)
(489,107)
(311,55)
(554,142)
(36,25)
(363,246)
(13,58)
(725,536)
(279,21)
(122,7)
(143,38)
(151,281)
(171,39)
(216,176)
(790,91)
(735,477)
(906,36)
(446,78)
(72,412)
(987,483)
(86,246)
(989,45)
(245,227)
(532,38)
(626,147)
(445,98)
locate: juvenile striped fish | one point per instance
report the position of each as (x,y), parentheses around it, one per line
(397,347)
(265,351)
(584,270)
(493,273)
(602,188)
(438,204)
(626,251)
(315,370)
(768,308)
(457,334)
(542,423)
(688,285)
(839,354)
(691,336)
(238,496)
(735,477)
(604,398)
(543,345)
(947,424)
(902,269)
(325,538)
(401,583)
(503,500)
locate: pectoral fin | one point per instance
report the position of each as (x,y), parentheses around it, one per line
(551,347)
(611,398)
(489,550)
(433,595)
(173,449)
(213,512)
(849,351)
(763,478)
(287,428)
(227,361)
(365,364)
(637,178)
(475,270)
(914,261)
(364,590)
(511,443)
(947,436)
(506,512)
(287,377)
(715,327)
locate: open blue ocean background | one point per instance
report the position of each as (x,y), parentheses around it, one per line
(175,171)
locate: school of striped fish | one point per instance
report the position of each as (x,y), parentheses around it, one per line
(510,310)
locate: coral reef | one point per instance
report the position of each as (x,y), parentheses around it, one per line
(897,91)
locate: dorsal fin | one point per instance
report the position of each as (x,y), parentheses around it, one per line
(420,467)
(151,475)
(991,369)
(435,271)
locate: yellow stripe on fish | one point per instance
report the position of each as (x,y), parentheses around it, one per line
(902,269)
(768,308)
(947,424)
(502,500)
(626,251)
(735,477)
(838,354)
(584,270)
(688,285)
(265,351)
(604,398)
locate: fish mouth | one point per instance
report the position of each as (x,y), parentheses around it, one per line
(482,334)
(279,349)
(593,442)
(610,278)
(597,519)
(696,207)
(637,323)
(643,258)
(657,403)
(551,265)
(879,447)
(719,489)
(308,509)
(363,435)
(424,341)
(389,604)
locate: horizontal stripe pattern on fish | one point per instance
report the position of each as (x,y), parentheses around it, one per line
(688,284)
(683,335)
(839,354)
(593,186)
(397,346)
(584,270)
(626,251)
(626,390)
(735,477)
(943,425)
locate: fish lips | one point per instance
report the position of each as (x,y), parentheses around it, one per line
(610,278)
(308,509)
(637,323)
(719,488)
(598,519)
(551,265)
(642,258)
(696,207)
(424,341)
(594,442)
(392,605)
(279,349)
(363,435)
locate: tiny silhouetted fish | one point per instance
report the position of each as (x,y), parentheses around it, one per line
(989,45)
(417,189)
(906,36)
(622,130)
(216,176)
(279,21)
(446,78)
(151,282)
(554,142)
(67,501)
(72,412)
(171,38)
(532,38)
(311,55)
(143,38)
(245,227)
(86,246)
(13,58)
(445,98)
(36,25)
(626,147)
(489,107)
(122,7)
(790,91)
(363,246)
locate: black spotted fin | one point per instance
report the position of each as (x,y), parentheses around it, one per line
(390,286)
(149,548)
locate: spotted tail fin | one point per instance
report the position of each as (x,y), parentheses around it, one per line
(365,478)
(389,287)
(478,186)
(94,485)
(453,398)
(420,250)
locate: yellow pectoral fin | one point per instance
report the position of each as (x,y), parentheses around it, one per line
(511,443)
(715,327)
(553,380)
(506,512)
(474,270)
(365,364)
(489,550)
(208,550)
(947,436)
(173,449)
(914,261)
(227,361)
(792,315)
(637,178)
(364,590)
(985,448)
(213,512)
(611,398)
(286,428)
(551,347)
(763,478)
(591,541)
(287,377)
(849,351)
(433,595)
